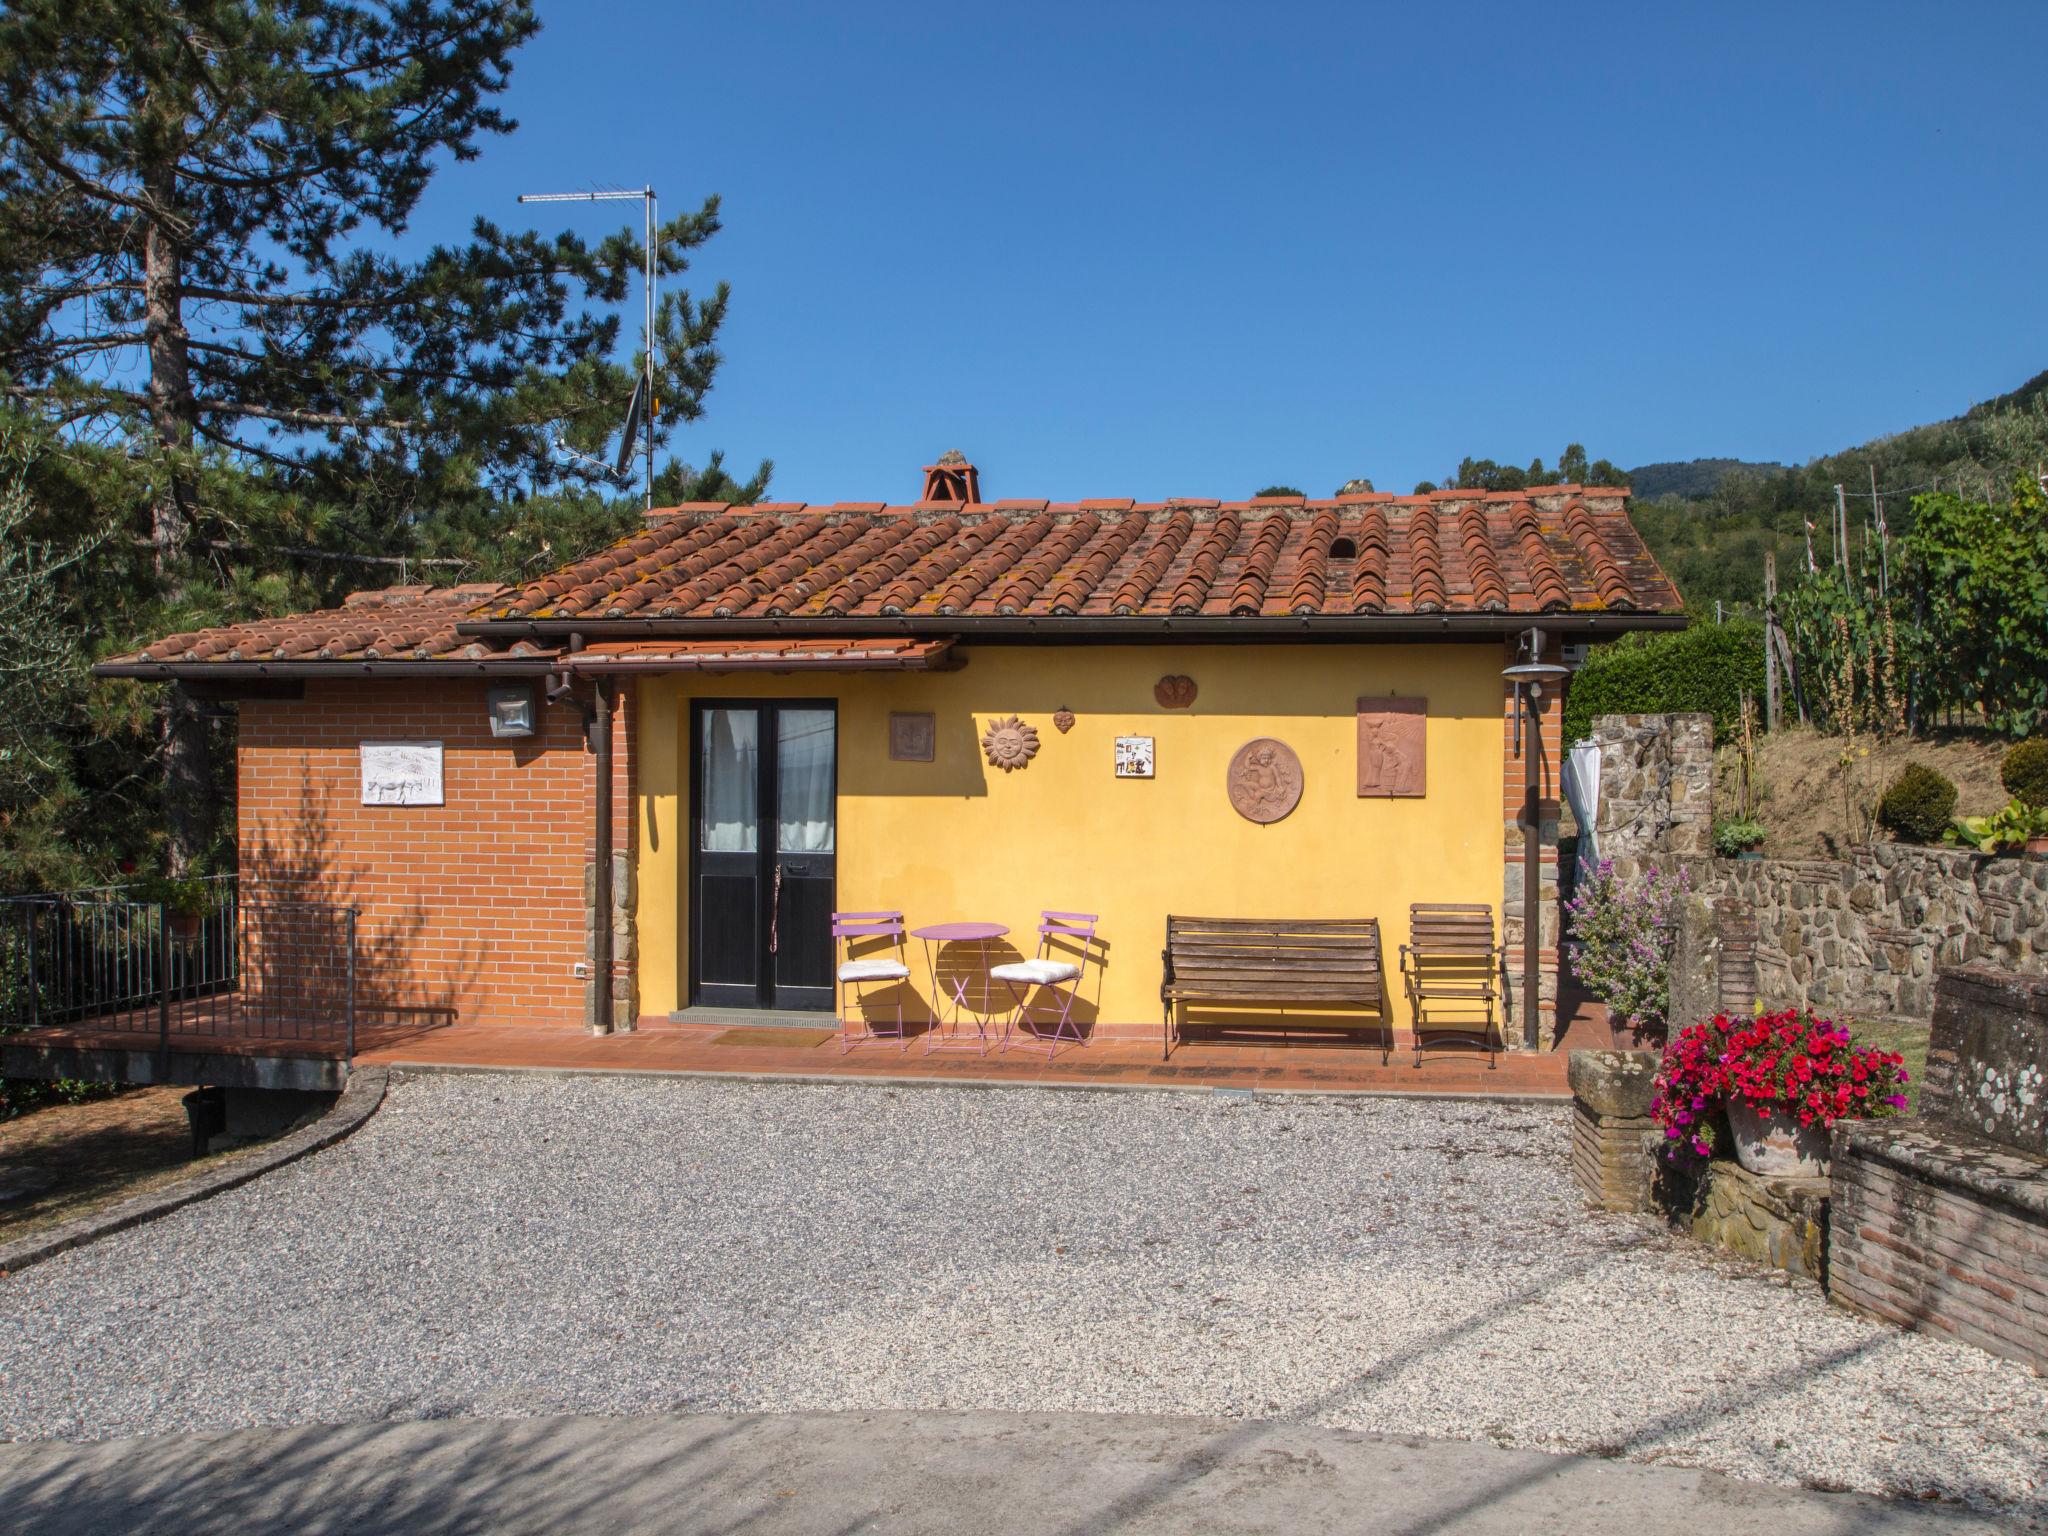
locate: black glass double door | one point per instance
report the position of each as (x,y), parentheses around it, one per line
(764,824)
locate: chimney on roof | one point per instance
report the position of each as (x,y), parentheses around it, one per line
(951,479)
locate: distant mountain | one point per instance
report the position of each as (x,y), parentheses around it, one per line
(1712,523)
(1693,478)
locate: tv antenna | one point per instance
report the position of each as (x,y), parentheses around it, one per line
(643,405)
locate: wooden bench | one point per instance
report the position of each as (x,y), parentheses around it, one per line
(1323,962)
(1449,967)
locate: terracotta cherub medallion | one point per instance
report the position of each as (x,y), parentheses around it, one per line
(1265,780)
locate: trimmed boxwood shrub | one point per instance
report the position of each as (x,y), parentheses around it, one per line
(1917,807)
(2024,771)
(1704,669)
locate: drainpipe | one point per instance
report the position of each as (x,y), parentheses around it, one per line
(601,843)
(1529,676)
(1532,868)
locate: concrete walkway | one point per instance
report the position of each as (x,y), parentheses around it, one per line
(966,1473)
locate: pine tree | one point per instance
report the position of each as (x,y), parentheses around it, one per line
(190,195)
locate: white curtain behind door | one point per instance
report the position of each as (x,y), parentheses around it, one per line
(729,773)
(804,758)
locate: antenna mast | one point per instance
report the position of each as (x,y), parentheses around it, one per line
(644,390)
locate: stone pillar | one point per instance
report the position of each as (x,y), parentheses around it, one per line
(1614,1140)
(1656,790)
(1713,960)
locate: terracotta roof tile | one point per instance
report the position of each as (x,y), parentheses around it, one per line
(396,624)
(1548,549)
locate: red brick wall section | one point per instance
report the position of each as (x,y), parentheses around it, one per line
(1931,1254)
(475,905)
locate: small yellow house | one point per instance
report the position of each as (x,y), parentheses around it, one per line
(741,720)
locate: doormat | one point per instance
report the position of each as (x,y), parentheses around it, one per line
(774,1035)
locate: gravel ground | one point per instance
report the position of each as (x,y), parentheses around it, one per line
(528,1246)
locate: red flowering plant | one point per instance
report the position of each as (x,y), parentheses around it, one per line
(1786,1062)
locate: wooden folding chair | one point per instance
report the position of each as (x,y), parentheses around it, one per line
(1450,966)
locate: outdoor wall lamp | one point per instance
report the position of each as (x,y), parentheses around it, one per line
(1529,675)
(512,711)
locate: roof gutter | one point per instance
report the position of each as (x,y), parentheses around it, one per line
(217,671)
(1150,627)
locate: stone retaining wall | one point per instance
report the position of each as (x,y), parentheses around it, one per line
(1864,936)
(1861,936)
(1779,1222)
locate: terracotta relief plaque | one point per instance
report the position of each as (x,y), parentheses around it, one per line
(912,737)
(1265,780)
(1391,747)
(1174,691)
(1064,719)
(1009,743)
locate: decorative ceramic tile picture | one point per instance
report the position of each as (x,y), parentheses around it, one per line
(1134,757)
(1392,740)
(913,738)
(401,772)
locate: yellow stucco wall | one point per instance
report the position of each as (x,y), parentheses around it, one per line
(956,838)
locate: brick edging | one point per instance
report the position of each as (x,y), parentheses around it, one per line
(889,1080)
(358,1101)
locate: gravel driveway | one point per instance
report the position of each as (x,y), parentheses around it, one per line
(527,1246)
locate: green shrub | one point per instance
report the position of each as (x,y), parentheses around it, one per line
(1736,835)
(2024,771)
(1917,807)
(1704,669)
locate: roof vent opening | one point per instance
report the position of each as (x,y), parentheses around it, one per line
(952,479)
(1343,549)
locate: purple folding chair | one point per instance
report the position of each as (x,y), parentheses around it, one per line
(1066,940)
(868,930)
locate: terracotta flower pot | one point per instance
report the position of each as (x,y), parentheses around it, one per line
(183,926)
(1777,1145)
(2037,847)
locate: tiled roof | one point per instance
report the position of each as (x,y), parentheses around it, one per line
(1554,550)
(1550,550)
(395,624)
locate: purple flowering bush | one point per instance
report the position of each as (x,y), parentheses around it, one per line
(1622,934)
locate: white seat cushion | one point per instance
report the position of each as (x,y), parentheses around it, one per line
(874,970)
(1040,973)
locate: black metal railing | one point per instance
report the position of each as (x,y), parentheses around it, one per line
(239,964)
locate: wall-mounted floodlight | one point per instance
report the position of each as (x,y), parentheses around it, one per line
(512,711)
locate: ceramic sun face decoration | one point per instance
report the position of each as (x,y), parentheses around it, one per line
(1009,743)
(1063,718)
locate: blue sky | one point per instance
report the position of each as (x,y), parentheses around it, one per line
(1148,250)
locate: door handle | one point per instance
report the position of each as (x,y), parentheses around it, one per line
(797,869)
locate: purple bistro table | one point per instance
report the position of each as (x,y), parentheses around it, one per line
(944,1033)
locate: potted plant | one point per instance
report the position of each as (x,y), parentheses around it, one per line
(1781,1080)
(1737,837)
(185,901)
(2018,826)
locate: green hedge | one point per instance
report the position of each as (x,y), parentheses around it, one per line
(1704,669)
